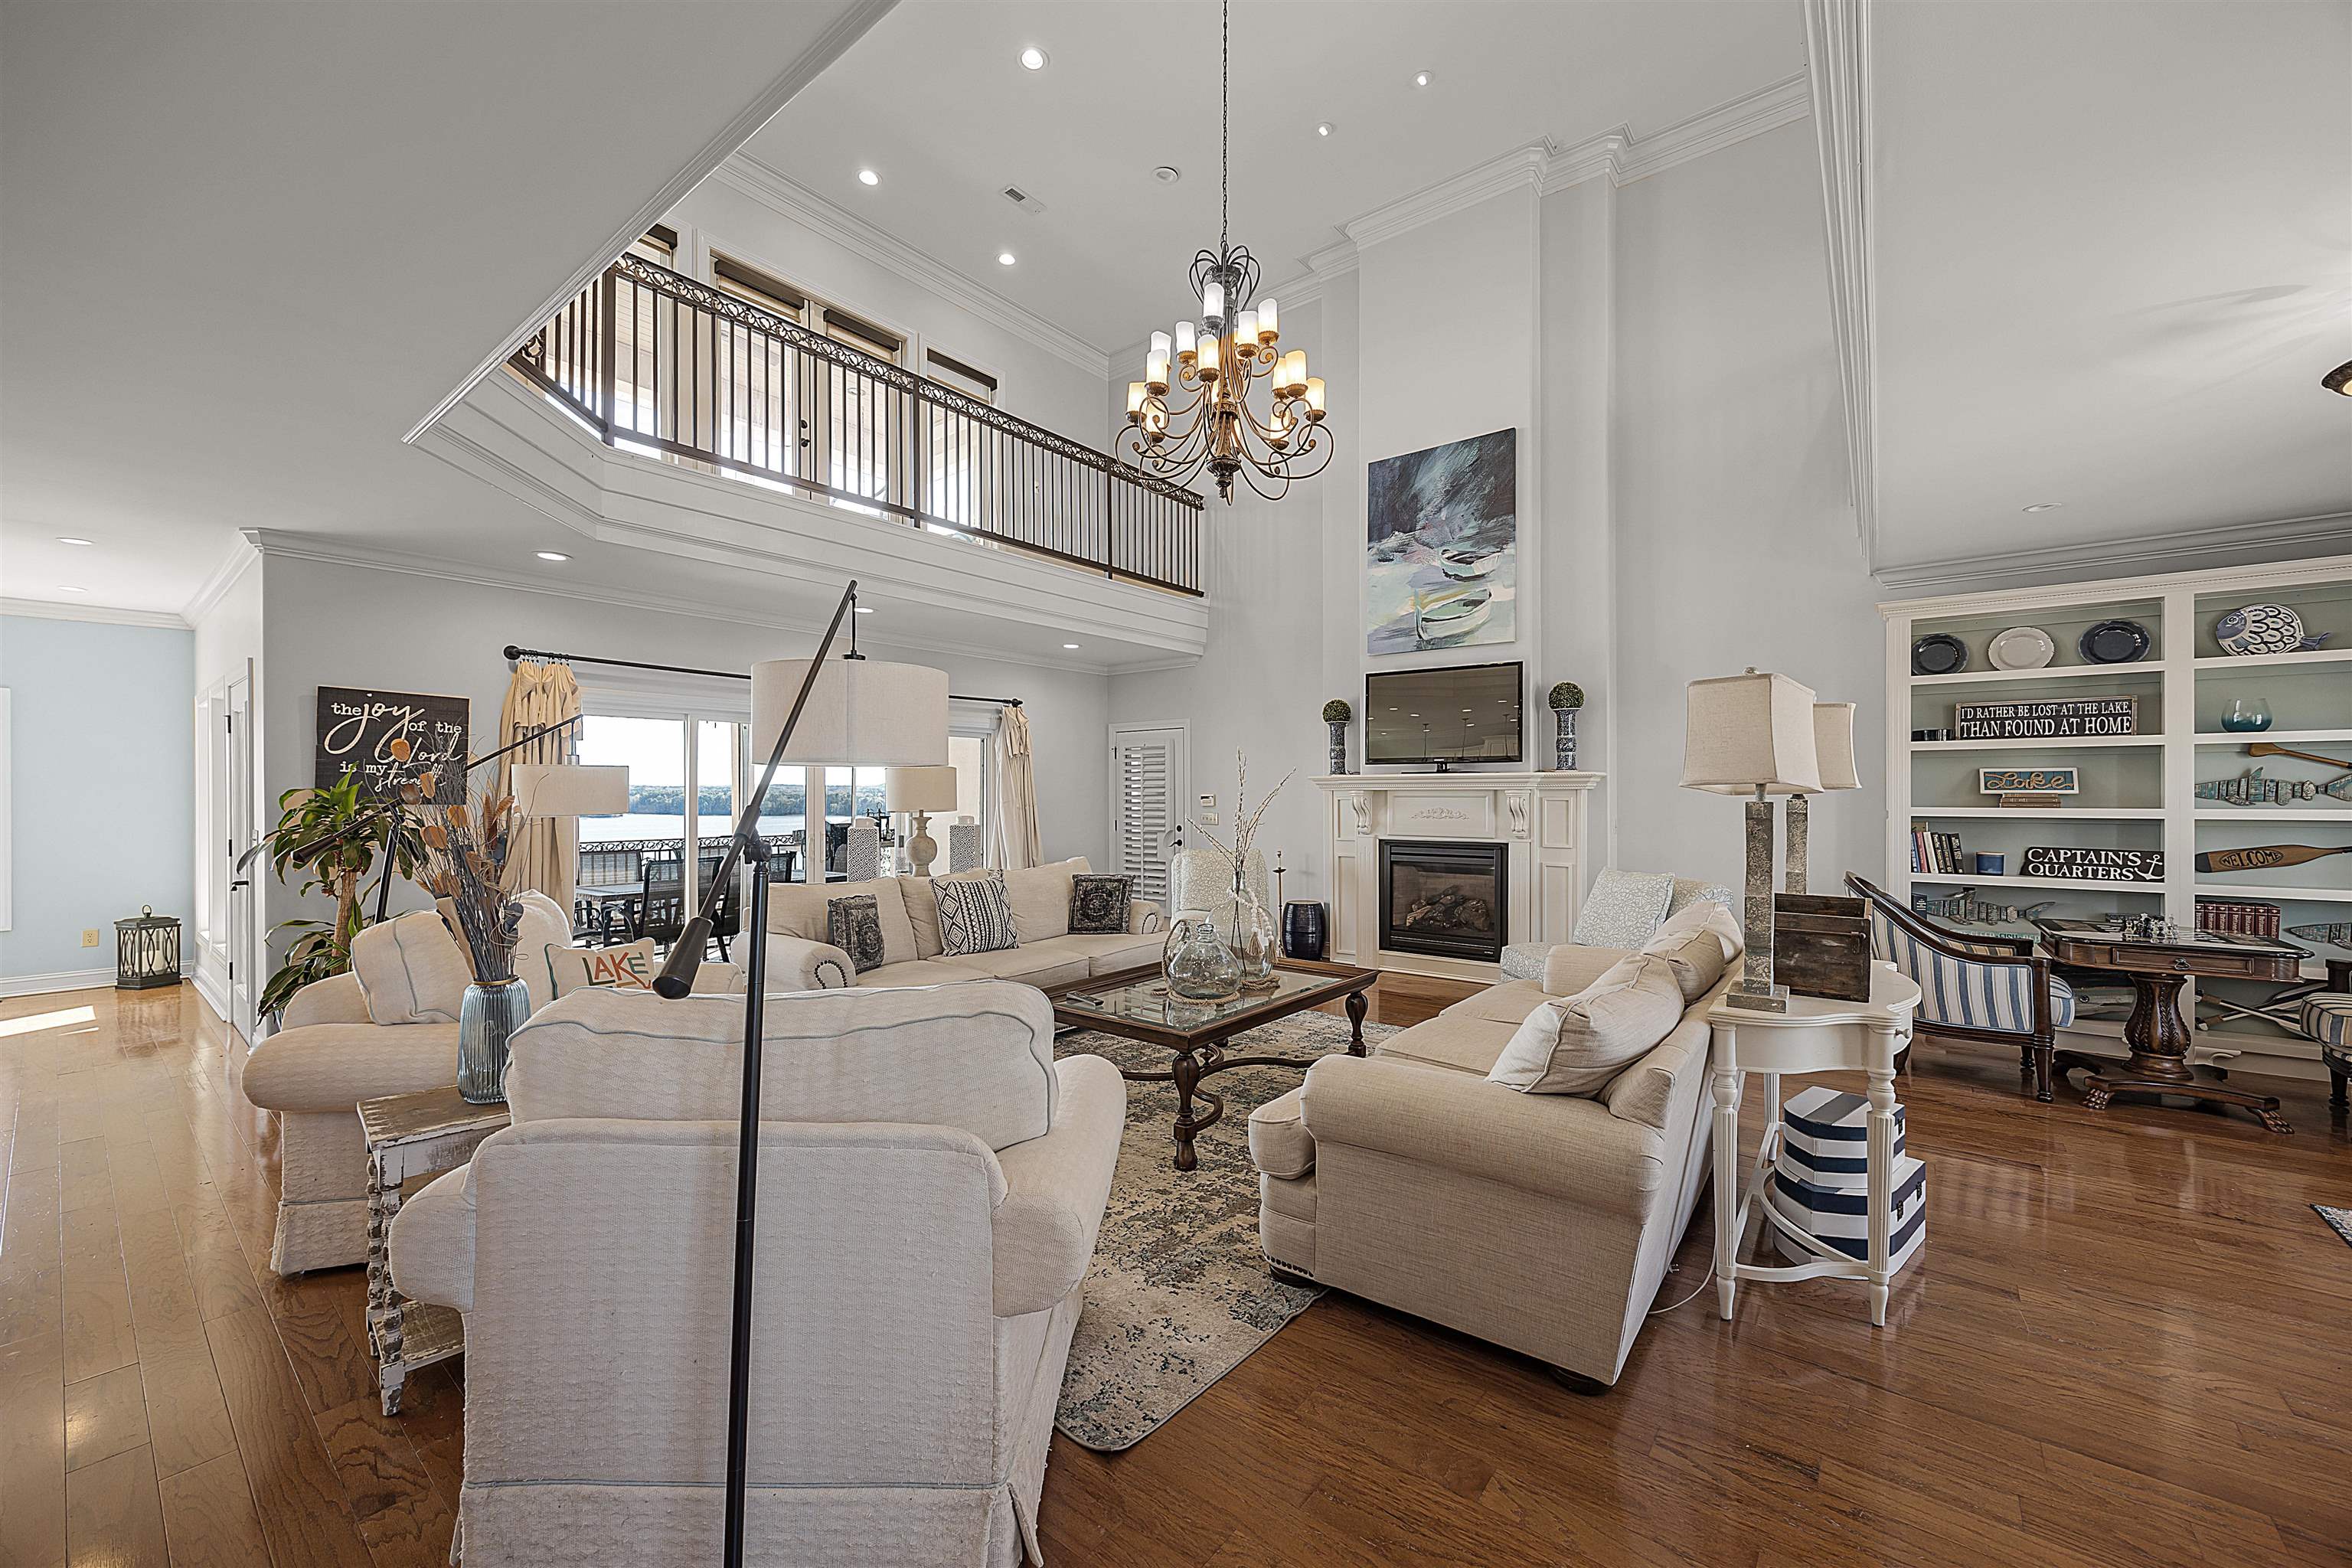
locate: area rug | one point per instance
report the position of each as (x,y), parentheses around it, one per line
(1179,1294)
(2339,1220)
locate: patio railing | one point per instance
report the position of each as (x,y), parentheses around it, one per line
(654,360)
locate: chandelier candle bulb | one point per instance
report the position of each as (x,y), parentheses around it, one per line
(1266,317)
(1245,333)
(1314,397)
(1213,305)
(1209,358)
(1155,370)
(1187,343)
(1293,378)
(1136,392)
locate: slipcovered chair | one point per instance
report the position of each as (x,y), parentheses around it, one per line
(1995,989)
(386,1026)
(932,1185)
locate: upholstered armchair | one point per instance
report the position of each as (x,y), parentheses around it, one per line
(932,1185)
(1994,989)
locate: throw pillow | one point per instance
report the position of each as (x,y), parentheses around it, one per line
(1696,960)
(629,968)
(411,970)
(1577,1043)
(854,926)
(1623,909)
(1704,916)
(975,915)
(1098,904)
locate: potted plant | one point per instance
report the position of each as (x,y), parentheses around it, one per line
(1337,713)
(466,847)
(333,837)
(1566,697)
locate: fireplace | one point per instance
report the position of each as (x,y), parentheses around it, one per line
(1443,899)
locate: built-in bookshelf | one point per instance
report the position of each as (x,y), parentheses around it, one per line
(2138,792)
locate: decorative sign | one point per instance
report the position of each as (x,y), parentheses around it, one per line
(2028,781)
(2095,865)
(356,730)
(2030,721)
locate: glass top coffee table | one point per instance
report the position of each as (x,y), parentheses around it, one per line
(1135,1005)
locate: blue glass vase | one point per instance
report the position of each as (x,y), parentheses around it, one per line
(487,1020)
(2246,715)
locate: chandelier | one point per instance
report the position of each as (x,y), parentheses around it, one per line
(1219,362)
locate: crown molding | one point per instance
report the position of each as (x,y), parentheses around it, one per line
(852,24)
(2291,546)
(1837,44)
(796,202)
(234,562)
(101,615)
(1783,102)
(1520,168)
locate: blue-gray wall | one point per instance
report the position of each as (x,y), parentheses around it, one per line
(102,774)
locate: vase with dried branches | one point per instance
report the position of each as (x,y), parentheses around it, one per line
(466,847)
(1253,940)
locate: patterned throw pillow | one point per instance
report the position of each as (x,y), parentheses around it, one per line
(1098,904)
(630,968)
(1624,909)
(854,926)
(975,915)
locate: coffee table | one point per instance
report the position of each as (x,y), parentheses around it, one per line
(1134,1004)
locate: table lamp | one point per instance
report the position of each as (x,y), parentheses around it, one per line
(920,792)
(1752,735)
(1834,749)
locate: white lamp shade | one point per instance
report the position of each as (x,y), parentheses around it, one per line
(1833,745)
(569,789)
(861,711)
(1752,732)
(919,789)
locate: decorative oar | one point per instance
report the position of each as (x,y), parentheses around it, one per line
(2267,749)
(2265,858)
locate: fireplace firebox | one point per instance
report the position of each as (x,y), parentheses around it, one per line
(1443,899)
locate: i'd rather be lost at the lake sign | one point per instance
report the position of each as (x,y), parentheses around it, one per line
(2053,721)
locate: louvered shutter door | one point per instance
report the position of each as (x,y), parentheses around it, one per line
(1144,775)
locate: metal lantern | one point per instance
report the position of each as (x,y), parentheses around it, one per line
(146,951)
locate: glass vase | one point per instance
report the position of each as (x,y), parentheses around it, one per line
(487,1020)
(2246,715)
(1254,942)
(1197,964)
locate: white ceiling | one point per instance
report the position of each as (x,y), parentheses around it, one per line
(2114,259)
(934,99)
(248,246)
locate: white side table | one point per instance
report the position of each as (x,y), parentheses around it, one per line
(1815,1035)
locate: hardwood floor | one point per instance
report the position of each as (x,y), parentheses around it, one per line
(2129,1340)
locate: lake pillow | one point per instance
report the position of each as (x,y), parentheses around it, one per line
(625,968)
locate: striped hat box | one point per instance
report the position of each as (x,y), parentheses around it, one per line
(1840,1217)
(1825,1137)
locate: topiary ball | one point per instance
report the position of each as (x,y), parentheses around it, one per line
(1336,712)
(1568,694)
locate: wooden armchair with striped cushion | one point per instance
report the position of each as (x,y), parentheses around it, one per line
(1995,989)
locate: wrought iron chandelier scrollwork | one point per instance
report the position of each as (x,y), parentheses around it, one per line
(1219,361)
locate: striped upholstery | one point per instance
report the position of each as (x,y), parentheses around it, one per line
(2327,1019)
(1990,995)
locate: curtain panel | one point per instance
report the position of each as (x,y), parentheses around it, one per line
(1015,814)
(545,851)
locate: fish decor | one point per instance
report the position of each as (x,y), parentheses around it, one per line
(2254,789)
(2328,933)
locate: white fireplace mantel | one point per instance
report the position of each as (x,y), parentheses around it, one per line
(1538,818)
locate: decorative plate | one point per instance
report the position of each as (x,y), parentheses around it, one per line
(1939,654)
(2114,642)
(2259,628)
(2022,647)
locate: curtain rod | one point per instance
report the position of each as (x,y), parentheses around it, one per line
(512,652)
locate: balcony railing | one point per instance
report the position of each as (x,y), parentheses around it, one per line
(654,360)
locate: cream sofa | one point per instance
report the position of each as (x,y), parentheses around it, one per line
(800,958)
(932,1183)
(1540,1222)
(387,1025)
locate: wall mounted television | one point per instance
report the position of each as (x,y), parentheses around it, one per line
(1454,713)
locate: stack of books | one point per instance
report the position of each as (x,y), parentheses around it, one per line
(2238,917)
(1937,853)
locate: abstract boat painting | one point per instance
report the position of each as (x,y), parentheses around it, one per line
(1441,547)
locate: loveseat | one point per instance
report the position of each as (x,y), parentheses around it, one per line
(1541,1221)
(801,958)
(932,1183)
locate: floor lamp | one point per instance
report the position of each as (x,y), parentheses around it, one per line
(820,713)
(1833,751)
(1752,735)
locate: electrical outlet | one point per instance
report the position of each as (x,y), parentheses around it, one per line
(89,937)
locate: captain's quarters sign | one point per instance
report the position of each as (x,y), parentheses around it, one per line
(356,730)
(2034,721)
(2095,865)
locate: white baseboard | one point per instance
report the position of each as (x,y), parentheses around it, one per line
(59,980)
(208,988)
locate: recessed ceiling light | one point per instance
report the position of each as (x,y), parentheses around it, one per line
(1034,59)
(69,538)
(1071,646)
(1005,259)
(2045,506)
(553,555)
(70,588)
(868,177)
(1324,129)
(1423,79)
(1168,173)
